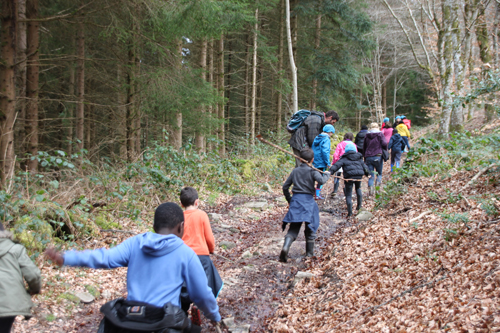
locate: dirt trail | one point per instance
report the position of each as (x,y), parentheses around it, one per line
(253,286)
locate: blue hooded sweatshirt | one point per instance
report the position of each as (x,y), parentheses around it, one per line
(321,149)
(158,265)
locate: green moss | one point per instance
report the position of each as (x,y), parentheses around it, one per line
(92,290)
(246,168)
(70,297)
(104,221)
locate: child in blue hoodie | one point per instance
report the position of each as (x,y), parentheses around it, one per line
(396,145)
(321,148)
(158,264)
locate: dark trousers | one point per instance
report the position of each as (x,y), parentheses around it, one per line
(374,164)
(297,153)
(294,228)
(6,324)
(395,158)
(348,192)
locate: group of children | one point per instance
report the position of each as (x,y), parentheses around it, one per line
(169,268)
(302,205)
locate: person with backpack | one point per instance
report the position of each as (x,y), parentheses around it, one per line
(360,138)
(396,145)
(353,167)
(387,129)
(406,121)
(305,126)
(372,151)
(404,132)
(158,264)
(321,148)
(339,151)
(15,266)
(303,208)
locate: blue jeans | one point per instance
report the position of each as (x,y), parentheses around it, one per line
(374,163)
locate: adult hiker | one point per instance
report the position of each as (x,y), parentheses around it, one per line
(353,167)
(311,127)
(372,151)
(360,138)
(339,151)
(321,148)
(15,266)
(303,208)
(159,263)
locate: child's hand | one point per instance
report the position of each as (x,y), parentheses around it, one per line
(55,256)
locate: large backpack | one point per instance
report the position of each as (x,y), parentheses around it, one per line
(407,122)
(297,120)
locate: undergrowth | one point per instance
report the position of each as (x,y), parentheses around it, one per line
(68,200)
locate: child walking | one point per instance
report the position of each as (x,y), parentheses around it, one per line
(199,237)
(339,151)
(353,168)
(15,265)
(396,145)
(303,208)
(321,148)
(403,131)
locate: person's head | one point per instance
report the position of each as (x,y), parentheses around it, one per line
(189,197)
(386,120)
(348,136)
(329,129)
(331,117)
(403,117)
(398,119)
(373,126)
(364,127)
(169,219)
(307,154)
(349,147)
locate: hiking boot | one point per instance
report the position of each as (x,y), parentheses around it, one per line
(371,191)
(309,248)
(286,247)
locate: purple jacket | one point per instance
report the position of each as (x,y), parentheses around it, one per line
(374,143)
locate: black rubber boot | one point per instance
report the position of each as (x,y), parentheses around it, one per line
(286,247)
(359,195)
(309,248)
(336,187)
(349,210)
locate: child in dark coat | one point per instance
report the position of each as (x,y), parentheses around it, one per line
(396,145)
(303,208)
(353,168)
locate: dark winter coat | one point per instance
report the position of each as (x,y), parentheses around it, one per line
(374,143)
(360,139)
(352,165)
(311,127)
(396,143)
(303,179)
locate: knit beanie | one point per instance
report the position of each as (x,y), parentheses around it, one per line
(329,129)
(386,120)
(349,147)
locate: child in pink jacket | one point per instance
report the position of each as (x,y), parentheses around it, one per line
(339,151)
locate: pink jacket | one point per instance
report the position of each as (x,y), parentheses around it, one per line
(387,133)
(339,151)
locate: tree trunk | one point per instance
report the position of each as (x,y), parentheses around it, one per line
(131,94)
(496,32)
(384,98)
(253,111)
(21,77)
(317,41)
(260,84)
(279,102)
(80,87)
(295,97)
(457,117)
(470,17)
(71,107)
(228,85)
(446,70)
(222,134)
(7,88)
(176,137)
(200,137)
(247,98)
(32,75)
(210,64)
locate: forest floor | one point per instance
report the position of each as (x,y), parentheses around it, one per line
(428,260)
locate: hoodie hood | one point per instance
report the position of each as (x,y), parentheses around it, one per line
(353,155)
(158,245)
(374,130)
(5,242)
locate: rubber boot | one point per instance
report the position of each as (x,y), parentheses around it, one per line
(309,248)
(318,194)
(359,196)
(370,190)
(286,247)
(349,210)
(392,167)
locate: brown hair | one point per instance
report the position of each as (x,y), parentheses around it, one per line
(349,136)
